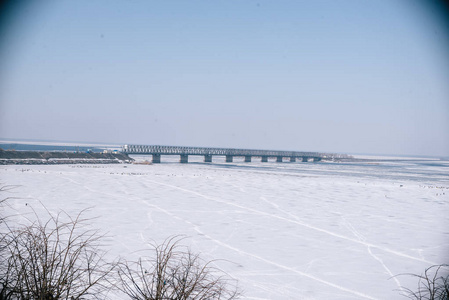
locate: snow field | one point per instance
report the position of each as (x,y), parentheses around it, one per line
(285,231)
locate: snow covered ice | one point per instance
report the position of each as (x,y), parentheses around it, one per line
(283,230)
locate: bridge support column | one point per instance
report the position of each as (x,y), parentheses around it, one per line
(208,158)
(248,158)
(315,159)
(156,159)
(184,159)
(229,158)
(305,159)
(264,159)
(279,159)
(292,159)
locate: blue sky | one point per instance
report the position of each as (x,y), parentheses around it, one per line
(331,76)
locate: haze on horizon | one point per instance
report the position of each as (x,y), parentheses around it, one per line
(331,76)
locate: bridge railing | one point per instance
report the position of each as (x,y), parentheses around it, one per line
(180,150)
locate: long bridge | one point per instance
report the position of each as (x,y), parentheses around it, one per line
(156,151)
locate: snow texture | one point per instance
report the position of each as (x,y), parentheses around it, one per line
(284,230)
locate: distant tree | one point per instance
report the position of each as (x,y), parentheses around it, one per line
(53,260)
(432,285)
(175,273)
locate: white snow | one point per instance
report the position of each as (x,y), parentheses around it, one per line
(284,230)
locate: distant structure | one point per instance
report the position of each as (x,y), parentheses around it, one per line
(156,151)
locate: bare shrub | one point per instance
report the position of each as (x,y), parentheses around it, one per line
(175,273)
(53,260)
(4,268)
(432,285)
(3,200)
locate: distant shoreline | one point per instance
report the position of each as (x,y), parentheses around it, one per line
(12,157)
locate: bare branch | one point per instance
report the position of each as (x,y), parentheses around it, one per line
(432,285)
(175,273)
(54,259)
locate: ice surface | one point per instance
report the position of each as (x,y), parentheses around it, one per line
(284,230)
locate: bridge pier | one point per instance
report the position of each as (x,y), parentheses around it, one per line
(229,158)
(279,159)
(292,159)
(264,159)
(305,159)
(184,159)
(248,158)
(156,159)
(207,158)
(315,159)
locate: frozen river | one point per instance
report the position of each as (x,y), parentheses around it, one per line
(284,230)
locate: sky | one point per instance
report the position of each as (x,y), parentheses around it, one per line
(345,76)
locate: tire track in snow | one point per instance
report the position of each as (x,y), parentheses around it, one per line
(262,213)
(195,227)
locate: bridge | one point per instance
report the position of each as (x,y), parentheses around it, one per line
(156,151)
